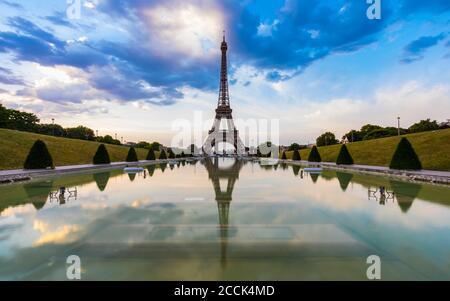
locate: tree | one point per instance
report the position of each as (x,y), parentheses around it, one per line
(151,155)
(142,144)
(353,136)
(4,116)
(381,133)
(183,155)
(101,155)
(162,155)
(294,147)
(39,157)
(80,132)
(108,140)
(171,154)
(314,155)
(344,156)
(156,146)
(365,129)
(424,126)
(296,156)
(51,130)
(22,121)
(132,156)
(283,156)
(405,157)
(327,138)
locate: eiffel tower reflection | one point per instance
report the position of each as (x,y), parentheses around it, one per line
(223,197)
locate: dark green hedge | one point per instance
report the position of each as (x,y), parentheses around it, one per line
(296,156)
(132,156)
(101,155)
(39,157)
(162,155)
(344,156)
(405,157)
(151,155)
(314,155)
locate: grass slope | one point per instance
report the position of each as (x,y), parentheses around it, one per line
(15,145)
(433,149)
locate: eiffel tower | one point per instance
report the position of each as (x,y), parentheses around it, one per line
(230,134)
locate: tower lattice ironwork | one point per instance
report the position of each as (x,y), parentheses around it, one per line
(230,134)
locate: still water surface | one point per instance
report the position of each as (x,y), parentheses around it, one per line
(221,219)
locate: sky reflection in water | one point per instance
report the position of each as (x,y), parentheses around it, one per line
(223,220)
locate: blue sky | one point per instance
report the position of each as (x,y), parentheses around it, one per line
(133,67)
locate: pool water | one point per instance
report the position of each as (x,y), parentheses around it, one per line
(224,219)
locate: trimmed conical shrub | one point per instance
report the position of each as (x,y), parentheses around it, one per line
(344,156)
(39,157)
(296,156)
(151,155)
(314,155)
(132,156)
(162,155)
(101,156)
(283,156)
(405,157)
(171,154)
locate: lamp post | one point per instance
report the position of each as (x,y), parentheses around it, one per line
(398,125)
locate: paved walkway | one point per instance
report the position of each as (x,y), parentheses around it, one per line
(21,173)
(421,175)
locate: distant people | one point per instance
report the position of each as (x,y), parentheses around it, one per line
(382,190)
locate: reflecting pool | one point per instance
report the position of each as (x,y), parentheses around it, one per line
(224,219)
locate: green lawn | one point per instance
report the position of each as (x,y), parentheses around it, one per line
(433,149)
(14,147)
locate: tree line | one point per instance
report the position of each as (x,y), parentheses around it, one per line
(29,122)
(371,131)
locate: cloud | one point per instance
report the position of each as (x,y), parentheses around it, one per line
(412,101)
(7,78)
(32,43)
(11,4)
(59,18)
(306,31)
(414,51)
(265,30)
(159,47)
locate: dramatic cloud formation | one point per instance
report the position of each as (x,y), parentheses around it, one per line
(149,53)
